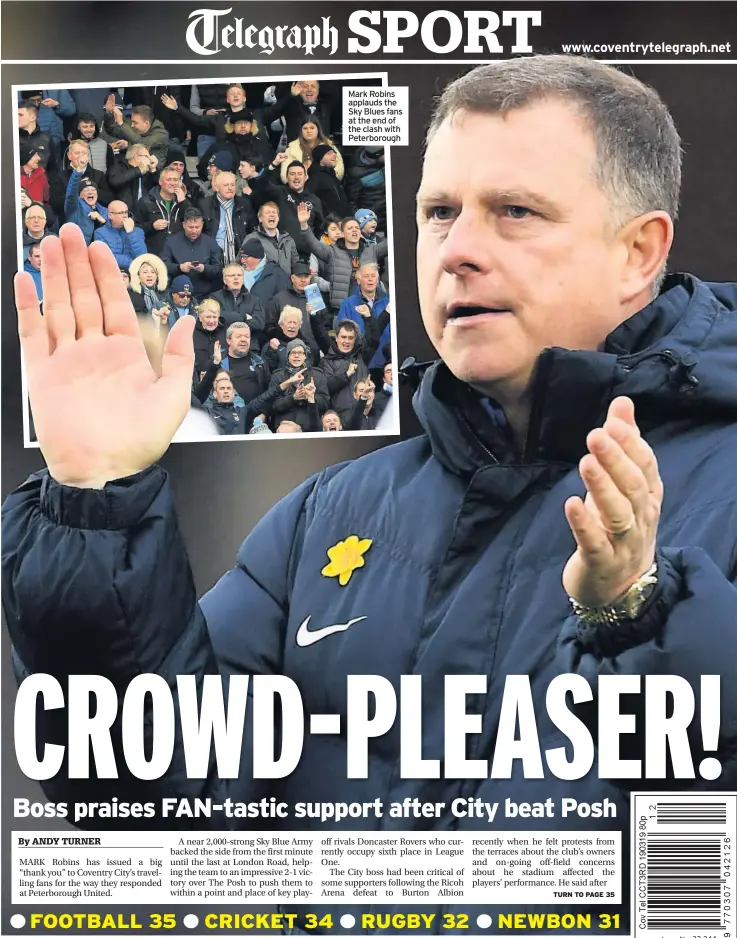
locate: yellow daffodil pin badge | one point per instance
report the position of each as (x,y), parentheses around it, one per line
(345,557)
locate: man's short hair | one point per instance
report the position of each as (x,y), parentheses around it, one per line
(167,169)
(144,111)
(369,264)
(235,84)
(344,221)
(347,325)
(192,214)
(29,106)
(236,325)
(290,311)
(36,245)
(267,205)
(35,205)
(637,145)
(81,143)
(234,266)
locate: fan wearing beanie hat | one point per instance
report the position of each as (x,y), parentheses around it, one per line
(181,284)
(324,181)
(321,151)
(181,292)
(302,392)
(223,161)
(367,222)
(252,257)
(27,153)
(253,248)
(33,178)
(81,206)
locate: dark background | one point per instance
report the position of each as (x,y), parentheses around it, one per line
(211,480)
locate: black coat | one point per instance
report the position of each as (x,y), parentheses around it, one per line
(335,368)
(244,307)
(151,96)
(312,330)
(42,142)
(204,344)
(251,147)
(212,96)
(244,217)
(151,208)
(330,190)
(284,406)
(294,111)
(365,184)
(266,189)
(272,280)
(124,180)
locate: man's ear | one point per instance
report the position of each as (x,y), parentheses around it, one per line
(646,241)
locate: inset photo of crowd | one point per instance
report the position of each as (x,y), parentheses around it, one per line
(238,204)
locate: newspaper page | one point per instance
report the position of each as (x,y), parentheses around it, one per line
(468,666)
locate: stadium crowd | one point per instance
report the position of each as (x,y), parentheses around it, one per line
(276,243)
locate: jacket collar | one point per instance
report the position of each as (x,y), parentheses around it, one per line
(674,358)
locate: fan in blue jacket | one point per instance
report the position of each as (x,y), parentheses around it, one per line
(371,293)
(581,519)
(32,266)
(81,206)
(121,235)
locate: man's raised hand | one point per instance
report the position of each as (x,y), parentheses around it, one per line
(99,410)
(617,525)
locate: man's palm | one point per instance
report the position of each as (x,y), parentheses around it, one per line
(99,410)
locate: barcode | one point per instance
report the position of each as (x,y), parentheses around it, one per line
(684,882)
(698,812)
(683,862)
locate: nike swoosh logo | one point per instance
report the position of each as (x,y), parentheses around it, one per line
(306,637)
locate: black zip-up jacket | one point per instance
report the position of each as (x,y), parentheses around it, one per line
(335,368)
(241,307)
(41,140)
(268,188)
(204,344)
(323,183)
(244,217)
(152,208)
(285,407)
